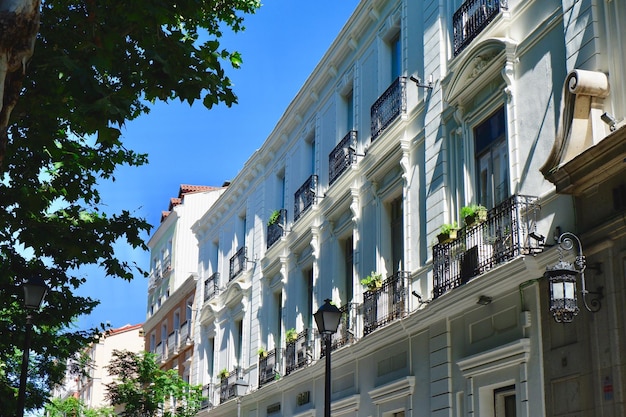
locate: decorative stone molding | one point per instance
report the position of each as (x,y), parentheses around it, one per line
(580,126)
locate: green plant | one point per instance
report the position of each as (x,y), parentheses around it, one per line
(274,218)
(262,352)
(446,228)
(474,212)
(291,335)
(224,373)
(373,280)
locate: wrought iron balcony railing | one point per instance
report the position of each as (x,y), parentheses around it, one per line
(305,197)
(268,367)
(212,286)
(386,304)
(471,18)
(277,230)
(390,105)
(237,263)
(296,353)
(346,331)
(342,157)
(510,231)
(227,386)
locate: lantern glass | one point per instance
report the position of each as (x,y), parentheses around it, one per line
(563,303)
(327,318)
(240,387)
(35,290)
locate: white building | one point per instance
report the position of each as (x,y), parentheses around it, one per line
(418,109)
(172,286)
(92,387)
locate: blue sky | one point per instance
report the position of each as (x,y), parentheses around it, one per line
(282,44)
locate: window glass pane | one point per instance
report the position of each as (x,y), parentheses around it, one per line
(396,58)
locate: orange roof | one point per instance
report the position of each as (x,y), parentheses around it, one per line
(123,329)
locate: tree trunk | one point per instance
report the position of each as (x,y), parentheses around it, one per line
(19,24)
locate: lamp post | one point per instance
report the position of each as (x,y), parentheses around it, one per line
(240,390)
(327,319)
(562,280)
(35,290)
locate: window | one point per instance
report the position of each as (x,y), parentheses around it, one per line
(152,342)
(348,100)
(492,163)
(348,254)
(396,57)
(505,404)
(397,249)
(239,342)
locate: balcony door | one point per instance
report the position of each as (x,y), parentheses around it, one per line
(492,162)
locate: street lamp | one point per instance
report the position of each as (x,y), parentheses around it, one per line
(327,319)
(240,390)
(35,290)
(562,280)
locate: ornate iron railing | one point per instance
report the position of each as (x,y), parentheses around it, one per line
(510,231)
(471,18)
(390,105)
(207,393)
(386,304)
(305,197)
(277,230)
(342,157)
(237,263)
(346,331)
(296,356)
(268,369)
(211,286)
(227,385)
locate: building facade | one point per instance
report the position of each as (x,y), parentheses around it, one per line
(419,110)
(91,387)
(168,329)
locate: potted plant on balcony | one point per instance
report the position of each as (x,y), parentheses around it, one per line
(373,281)
(474,214)
(274,218)
(447,232)
(223,374)
(291,335)
(262,352)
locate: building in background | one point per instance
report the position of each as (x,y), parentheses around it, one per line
(91,388)
(419,111)
(172,284)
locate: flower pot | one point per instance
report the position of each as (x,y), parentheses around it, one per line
(447,237)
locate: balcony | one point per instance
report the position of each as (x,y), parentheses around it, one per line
(342,157)
(211,286)
(386,304)
(305,197)
(346,331)
(172,341)
(510,231)
(161,352)
(296,353)
(472,17)
(227,386)
(185,333)
(268,367)
(390,105)
(237,263)
(277,230)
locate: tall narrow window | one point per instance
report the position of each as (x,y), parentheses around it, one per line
(278,298)
(348,255)
(349,103)
(312,155)
(397,235)
(176,328)
(281,190)
(152,342)
(492,163)
(505,403)
(307,302)
(396,57)
(239,342)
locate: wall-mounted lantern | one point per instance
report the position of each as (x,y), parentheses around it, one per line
(562,280)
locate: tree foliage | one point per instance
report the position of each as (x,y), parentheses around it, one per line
(145,390)
(96,65)
(72,406)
